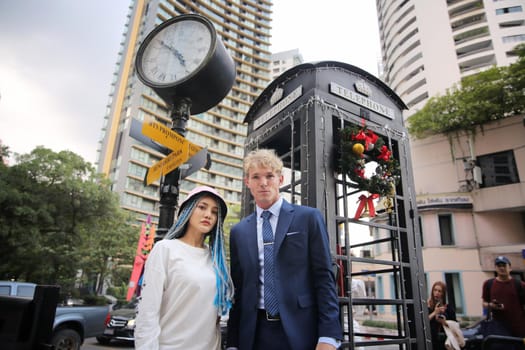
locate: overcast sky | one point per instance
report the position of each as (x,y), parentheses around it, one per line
(57,58)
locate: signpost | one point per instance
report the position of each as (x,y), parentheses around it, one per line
(161,65)
(165,136)
(181,149)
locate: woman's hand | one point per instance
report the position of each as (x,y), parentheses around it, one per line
(442,319)
(439,309)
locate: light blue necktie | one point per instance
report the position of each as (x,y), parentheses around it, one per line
(270,300)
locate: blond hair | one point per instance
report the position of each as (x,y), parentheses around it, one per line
(262,158)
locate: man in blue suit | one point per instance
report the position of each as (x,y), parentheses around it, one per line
(285,296)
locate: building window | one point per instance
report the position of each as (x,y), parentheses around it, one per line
(498,169)
(445,229)
(420,222)
(454,293)
(509,10)
(513,38)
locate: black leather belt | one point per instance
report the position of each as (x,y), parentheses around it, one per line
(263,313)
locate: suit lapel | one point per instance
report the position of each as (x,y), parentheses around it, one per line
(251,240)
(285,219)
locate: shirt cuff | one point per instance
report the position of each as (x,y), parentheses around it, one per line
(332,341)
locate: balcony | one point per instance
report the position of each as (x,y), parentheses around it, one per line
(508,197)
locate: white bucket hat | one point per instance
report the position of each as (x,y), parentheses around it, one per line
(206,189)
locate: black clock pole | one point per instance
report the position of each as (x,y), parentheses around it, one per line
(169,187)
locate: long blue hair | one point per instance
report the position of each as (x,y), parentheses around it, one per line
(224,294)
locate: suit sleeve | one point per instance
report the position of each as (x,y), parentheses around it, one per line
(324,281)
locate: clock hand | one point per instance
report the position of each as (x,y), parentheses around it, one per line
(175,52)
(179,57)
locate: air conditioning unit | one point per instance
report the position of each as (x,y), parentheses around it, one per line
(476,175)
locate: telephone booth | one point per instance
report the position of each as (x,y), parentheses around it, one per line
(339,131)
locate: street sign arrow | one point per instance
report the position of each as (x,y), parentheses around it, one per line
(156,136)
(167,137)
(135,131)
(166,165)
(196,162)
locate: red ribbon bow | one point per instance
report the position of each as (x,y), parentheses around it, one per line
(385,153)
(364,202)
(368,138)
(371,138)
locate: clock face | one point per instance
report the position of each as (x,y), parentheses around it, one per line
(176,51)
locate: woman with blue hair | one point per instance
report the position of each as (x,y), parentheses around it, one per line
(187,286)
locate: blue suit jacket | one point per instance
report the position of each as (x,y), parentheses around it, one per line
(308,303)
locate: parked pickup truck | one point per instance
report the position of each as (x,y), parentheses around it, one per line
(72,323)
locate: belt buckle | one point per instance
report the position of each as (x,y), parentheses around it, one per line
(271,318)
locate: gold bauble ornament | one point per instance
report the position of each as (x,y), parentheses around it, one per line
(358,149)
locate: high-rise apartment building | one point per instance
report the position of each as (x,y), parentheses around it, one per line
(469,187)
(244,27)
(284,60)
(428,46)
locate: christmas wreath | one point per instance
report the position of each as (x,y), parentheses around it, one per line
(359,146)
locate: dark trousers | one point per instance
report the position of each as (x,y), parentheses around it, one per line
(269,334)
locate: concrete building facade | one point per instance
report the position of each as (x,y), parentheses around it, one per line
(282,61)
(428,46)
(470,188)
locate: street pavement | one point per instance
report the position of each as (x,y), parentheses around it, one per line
(92,344)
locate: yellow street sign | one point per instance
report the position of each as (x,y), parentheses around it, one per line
(166,165)
(167,137)
(182,149)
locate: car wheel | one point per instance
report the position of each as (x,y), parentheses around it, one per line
(66,339)
(103,340)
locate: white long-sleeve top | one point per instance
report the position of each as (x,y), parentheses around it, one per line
(176,309)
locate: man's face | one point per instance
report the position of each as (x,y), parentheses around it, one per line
(503,269)
(264,185)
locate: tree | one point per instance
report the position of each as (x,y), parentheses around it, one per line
(56,215)
(4,153)
(234,216)
(111,243)
(493,94)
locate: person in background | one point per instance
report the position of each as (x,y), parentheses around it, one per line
(285,295)
(503,297)
(439,312)
(187,286)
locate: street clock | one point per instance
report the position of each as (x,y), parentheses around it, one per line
(183,58)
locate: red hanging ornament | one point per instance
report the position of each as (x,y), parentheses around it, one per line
(384,154)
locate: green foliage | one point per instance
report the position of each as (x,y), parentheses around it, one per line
(93,300)
(120,291)
(234,216)
(380,324)
(59,217)
(490,95)
(4,153)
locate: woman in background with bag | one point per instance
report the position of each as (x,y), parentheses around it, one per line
(438,314)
